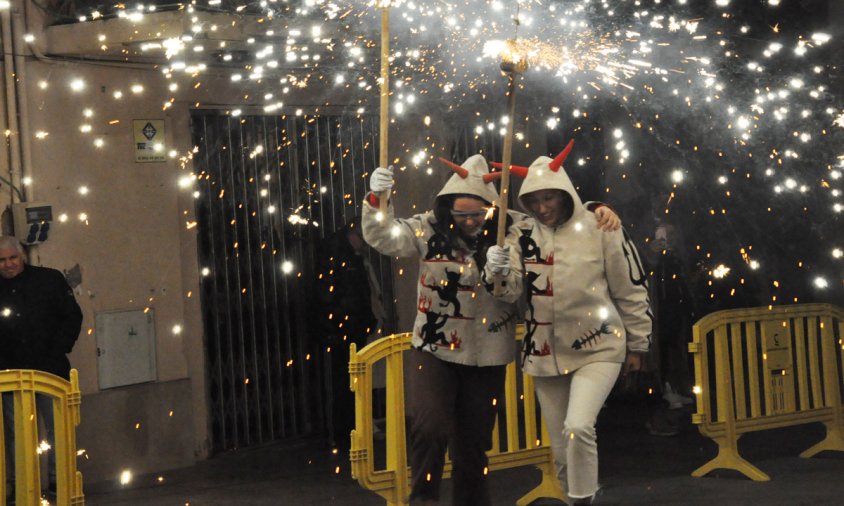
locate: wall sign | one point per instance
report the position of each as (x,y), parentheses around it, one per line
(149,140)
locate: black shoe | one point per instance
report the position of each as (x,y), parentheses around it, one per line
(661,425)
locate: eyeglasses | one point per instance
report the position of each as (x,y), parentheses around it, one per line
(480,214)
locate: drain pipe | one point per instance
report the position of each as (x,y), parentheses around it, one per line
(20,46)
(13,135)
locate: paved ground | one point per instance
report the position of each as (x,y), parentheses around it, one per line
(636,469)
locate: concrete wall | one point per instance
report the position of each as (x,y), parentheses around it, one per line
(134,252)
(143,428)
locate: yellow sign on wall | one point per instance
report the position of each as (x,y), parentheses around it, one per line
(149,140)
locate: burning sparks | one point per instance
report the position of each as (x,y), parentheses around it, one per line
(125,477)
(720,271)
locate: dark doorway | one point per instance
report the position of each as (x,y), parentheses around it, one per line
(270,188)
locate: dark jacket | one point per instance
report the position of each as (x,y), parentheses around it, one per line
(39,321)
(342,298)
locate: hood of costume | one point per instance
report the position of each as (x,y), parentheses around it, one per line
(472,181)
(540,176)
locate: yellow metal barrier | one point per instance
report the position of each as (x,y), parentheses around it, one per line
(392,482)
(763,368)
(24,384)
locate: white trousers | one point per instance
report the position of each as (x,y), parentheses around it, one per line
(570,406)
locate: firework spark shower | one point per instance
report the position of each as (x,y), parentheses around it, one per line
(721,117)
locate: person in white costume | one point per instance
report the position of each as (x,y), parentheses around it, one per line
(587,313)
(462,336)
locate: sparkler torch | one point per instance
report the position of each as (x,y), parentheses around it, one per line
(513,65)
(384,159)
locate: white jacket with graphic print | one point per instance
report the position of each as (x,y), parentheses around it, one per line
(457,319)
(584,290)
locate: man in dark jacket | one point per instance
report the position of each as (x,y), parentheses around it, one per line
(39,324)
(344,313)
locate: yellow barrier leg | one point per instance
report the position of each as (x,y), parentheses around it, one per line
(550,484)
(78,498)
(833,441)
(548,487)
(729,458)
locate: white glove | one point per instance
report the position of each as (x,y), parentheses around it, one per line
(381,179)
(498,260)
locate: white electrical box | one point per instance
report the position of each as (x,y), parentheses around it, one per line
(32,221)
(125,348)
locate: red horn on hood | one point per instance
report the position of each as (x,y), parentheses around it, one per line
(492,176)
(557,162)
(514,169)
(461,171)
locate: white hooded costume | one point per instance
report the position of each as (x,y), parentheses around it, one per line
(587,305)
(586,293)
(457,318)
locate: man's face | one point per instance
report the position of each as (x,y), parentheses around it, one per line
(356,241)
(11,263)
(661,238)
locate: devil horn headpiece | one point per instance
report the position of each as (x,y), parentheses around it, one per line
(514,169)
(557,162)
(460,171)
(492,176)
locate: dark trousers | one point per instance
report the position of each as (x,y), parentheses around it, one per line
(452,406)
(674,330)
(340,400)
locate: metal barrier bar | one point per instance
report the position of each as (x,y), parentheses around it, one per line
(814,358)
(802,376)
(753,370)
(531,439)
(738,370)
(512,408)
(24,385)
(392,482)
(802,370)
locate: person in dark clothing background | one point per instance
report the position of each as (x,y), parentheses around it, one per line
(349,310)
(674,310)
(670,377)
(39,324)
